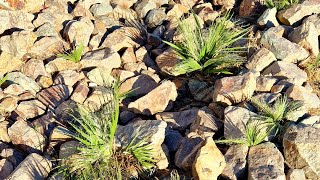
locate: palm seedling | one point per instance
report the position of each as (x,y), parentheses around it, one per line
(2,80)
(280,4)
(210,51)
(74,55)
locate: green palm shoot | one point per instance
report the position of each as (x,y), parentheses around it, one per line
(280,4)
(74,55)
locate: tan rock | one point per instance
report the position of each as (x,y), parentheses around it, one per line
(4,137)
(121,38)
(260,60)
(60,64)
(129,56)
(47,47)
(80,93)
(295,174)
(139,85)
(34,68)
(6,168)
(249,7)
(30,109)
(9,63)
(78,32)
(315,19)
(102,58)
(54,95)
(31,6)
(309,99)
(226,4)
(8,104)
(209,161)
(167,61)
(265,83)
(15,19)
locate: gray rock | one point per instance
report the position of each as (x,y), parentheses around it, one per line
(309,99)
(24,81)
(200,90)
(126,116)
(234,89)
(300,144)
(102,58)
(268,18)
(286,70)
(178,120)
(236,162)
(46,29)
(265,83)
(267,97)
(260,60)
(78,32)
(68,77)
(33,167)
(265,161)
(52,97)
(167,61)
(27,138)
(100,76)
(125,4)
(99,97)
(173,140)
(155,17)
(15,19)
(101,9)
(311,120)
(6,168)
(143,7)
(139,85)
(30,109)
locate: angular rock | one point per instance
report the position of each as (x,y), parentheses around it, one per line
(13,155)
(236,162)
(268,18)
(178,120)
(9,63)
(176,12)
(295,13)
(204,165)
(126,116)
(306,36)
(31,6)
(100,76)
(27,83)
(68,149)
(25,137)
(155,17)
(315,19)
(34,68)
(143,7)
(129,56)
(6,168)
(78,32)
(80,93)
(311,120)
(285,70)
(102,58)
(33,167)
(60,64)
(265,83)
(300,144)
(200,90)
(139,85)
(15,19)
(44,81)
(249,7)
(8,104)
(4,137)
(265,161)
(260,59)
(101,9)
(99,97)
(47,29)
(155,101)
(267,97)
(48,47)
(68,77)
(295,174)
(282,48)
(54,96)
(60,134)
(167,61)
(125,4)
(234,89)
(30,109)
(173,140)
(309,99)
(226,4)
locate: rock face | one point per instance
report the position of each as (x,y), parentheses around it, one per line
(27,138)
(296,12)
(265,161)
(236,162)
(33,167)
(155,101)
(260,59)
(295,174)
(300,144)
(234,89)
(209,161)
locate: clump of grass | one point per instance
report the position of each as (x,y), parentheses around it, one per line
(280,4)
(74,55)
(3,79)
(97,156)
(276,115)
(211,52)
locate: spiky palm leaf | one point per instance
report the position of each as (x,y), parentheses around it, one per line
(74,55)
(280,4)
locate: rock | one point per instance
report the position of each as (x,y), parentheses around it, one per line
(235,119)
(173,140)
(80,93)
(46,29)
(121,38)
(306,36)
(295,13)
(99,97)
(135,67)
(78,32)
(315,19)
(300,144)
(155,101)
(143,7)
(18,43)
(265,83)
(204,165)
(178,120)
(13,155)
(33,163)
(236,162)
(155,17)
(101,76)
(81,9)
(151,131)
(68,77)
(102,58)
(282,48)
(286,70)
(4,137)
(67,149)
(101,9)
(54,96)
(200,90)
(15,19)
(268,18)
(27,83)
(25,137)
(34,68)
(126,116)
(295,174)
(309,99)
(60,64)
(176,12)
(59,135)
(311,120)
(31,6)
(125,4)
(129,56)
(234,89)
(5,168)
(249,7)
(226,4)
(139,85)
(167,61)
(206,12)
(48,47)
(265,161)
(67,111)
(30,109)
(9,63)
(185,155)
(267,97)
(260,60)
(8,104)
(123,74)
(44,81)
(45,124)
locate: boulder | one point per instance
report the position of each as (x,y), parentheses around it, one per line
(6,168)
(265,161)
(9,63)
(155,101)
(299,145)
(8,104)
(209,161)
(178,120)
(309,99)
(260,60)
(249,7)
(15,19)
(99,97)
(125,4)
(78,32)
(27,83)
(167,61)
(268,18)
(200,90)
(30,109)
(234,89)
(295,174)
(139,85)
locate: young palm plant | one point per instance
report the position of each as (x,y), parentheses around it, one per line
(276,115)
(2,80)
(211,52)
(97,156)
(280,4)
(74,55)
